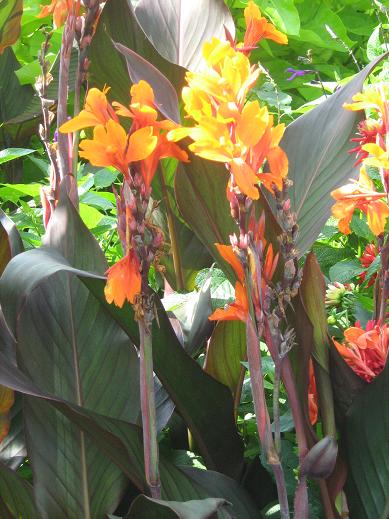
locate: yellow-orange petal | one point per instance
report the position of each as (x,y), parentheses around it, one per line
(141,144)
(142,93)
(227,253)
(252,123)
(377,214)
(245,178)
(97,110)
(123,281)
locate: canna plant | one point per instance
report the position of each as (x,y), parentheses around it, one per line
(101,371)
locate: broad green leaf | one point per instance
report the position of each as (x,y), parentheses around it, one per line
(69,346)
(178,28)
(16,496)
(317,145)
(13,153)
(10,14)
(283,13)
(144,506)
(366,444)
(226,350)
(323,27)
(122,443)
(14,192)
(90,216)
(118,23)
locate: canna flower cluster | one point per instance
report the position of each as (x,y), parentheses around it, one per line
(241,134)
(372,150)
(136,154)
(228,129)
(365,351)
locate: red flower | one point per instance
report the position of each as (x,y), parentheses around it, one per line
(369,255)
(365,351)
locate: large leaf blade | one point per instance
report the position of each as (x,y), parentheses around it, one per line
(178,28)
(366,444)
(70,347)
(317,145)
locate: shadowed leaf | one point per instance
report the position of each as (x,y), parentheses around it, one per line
(144,506)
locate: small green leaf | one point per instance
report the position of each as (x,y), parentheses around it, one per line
(105,177)
(13,153)
(345,271)
(90,216)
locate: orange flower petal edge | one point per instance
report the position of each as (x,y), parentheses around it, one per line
(123,281)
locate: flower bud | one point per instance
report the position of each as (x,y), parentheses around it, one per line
(320,460)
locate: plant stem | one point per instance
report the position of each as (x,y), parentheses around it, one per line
(172,234)
(276,408)
(149,420)
(262,415)
(64,151)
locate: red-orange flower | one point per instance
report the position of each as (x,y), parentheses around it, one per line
(239,309)
(258,28)
(369,255)
(361,195)
(365,351)
(123,280)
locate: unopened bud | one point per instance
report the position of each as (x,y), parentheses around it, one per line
(286,205)
(320,460)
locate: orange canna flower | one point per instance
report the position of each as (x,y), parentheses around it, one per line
(365,351)
(123,280)
(97,111)
(361,195)
(59,9)
(258,28)
(227,129)
(111,146)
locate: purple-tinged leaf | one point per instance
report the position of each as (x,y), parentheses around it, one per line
(178,28)
(317,145)
(166,98)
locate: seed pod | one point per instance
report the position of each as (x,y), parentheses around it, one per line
(320,460)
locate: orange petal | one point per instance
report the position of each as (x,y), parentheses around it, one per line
(278,162)
(227,253)
(245,178)
(141,144)
(238,310)
(123,281)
